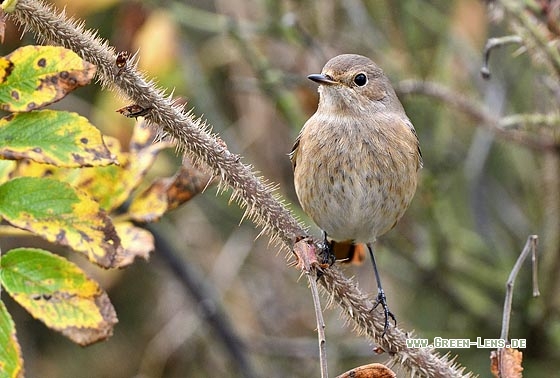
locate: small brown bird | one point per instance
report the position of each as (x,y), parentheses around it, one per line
(356,160)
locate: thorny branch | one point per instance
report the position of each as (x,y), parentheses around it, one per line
(532,34)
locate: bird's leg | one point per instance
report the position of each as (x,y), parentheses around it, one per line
(326,254)
(330,257)
(381,299)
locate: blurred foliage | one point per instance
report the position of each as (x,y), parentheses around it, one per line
(243,66)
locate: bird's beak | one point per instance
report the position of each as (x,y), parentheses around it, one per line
(322,79)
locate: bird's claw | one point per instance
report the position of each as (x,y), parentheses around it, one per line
(382,300)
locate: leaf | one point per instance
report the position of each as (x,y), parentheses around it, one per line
(142,137)
(506,362)
(136,242)
(58,293)
(374,370)
(9,6)
(11,363)
(59,138)
(111,185)
(6,67)
(168,193)
(7,168)
(41,75)
(58,213)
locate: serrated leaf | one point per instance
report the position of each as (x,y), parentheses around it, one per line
(59,138)
(57,212)
(110,186)
(166,194)
(41,75)
(58,293)
(136,242)
(143,136)
(11,363)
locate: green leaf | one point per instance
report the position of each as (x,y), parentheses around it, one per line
(58,293)
(11,363)
(59,138)
(57,212)
(36,76)
(110,186)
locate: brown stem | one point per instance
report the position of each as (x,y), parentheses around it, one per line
(477,112)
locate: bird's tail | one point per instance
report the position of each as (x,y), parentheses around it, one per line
(349,252)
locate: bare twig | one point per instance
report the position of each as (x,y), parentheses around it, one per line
(491,44)
(530,247)
(506,361)
(477,112)
(528,120)
(209,309)
(307,262)
(312,278)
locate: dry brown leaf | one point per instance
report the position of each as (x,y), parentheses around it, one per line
(374,370)
(506,362)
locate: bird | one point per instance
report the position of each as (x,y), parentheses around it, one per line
(357,159)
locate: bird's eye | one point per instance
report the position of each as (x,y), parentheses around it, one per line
(360,79)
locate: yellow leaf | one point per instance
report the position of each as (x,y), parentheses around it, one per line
(58,293)
(11,363)
(136,242)
(6,67)
(168,193)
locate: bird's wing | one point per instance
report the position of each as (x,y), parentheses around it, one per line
(293,153)
(420,159)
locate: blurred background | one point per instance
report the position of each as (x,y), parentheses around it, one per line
(242,65)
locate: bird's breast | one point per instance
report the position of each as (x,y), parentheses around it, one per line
(355,179)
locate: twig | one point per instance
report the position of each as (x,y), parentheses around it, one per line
(533,37)
(312,278)
(506,361)
(517,120)
(357,308)
(530,247)
(477,112)
(491,44)
(307,262)
(206,301)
